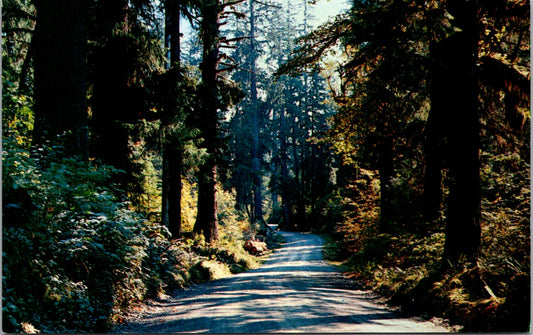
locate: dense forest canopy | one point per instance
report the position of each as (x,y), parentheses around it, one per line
(140,136)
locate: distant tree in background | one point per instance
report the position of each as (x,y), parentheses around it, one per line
(301,162)
(247,127)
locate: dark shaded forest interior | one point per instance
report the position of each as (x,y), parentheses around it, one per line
(145,142)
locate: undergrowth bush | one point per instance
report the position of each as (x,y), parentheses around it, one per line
(71,252)
(360,212)
(405,265)
(75,258)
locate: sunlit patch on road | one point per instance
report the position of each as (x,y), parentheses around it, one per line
(295,291)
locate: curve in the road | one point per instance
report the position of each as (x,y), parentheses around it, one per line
(295,291)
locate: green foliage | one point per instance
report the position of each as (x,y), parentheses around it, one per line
(168,265)
(72,257)
(234,230)
(360,212)
(148,200)
(177,263)
(391,93)
(75,254)
(18,22)
(75,258)
(17,114)
(406,267)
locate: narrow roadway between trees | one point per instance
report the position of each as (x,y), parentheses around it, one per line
(296,290)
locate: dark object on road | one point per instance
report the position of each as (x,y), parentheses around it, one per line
(255,247)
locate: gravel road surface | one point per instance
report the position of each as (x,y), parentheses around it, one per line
(295,291)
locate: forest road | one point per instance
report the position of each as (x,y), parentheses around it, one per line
(295,291)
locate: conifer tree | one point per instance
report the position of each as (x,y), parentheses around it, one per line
(300,163)
(217,94)
(386,45)
(124,59)
(18,24)
(172,148)
(461,76)
(60,66)
(248,142)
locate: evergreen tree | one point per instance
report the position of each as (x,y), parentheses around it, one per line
(247,126)
(18,24)
(60,66)
(124,58)
(461,51)
(172,146)
(301,162)
(217,94)
(386,43)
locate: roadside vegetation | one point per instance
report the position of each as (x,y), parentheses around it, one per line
(76,258)
(490,295)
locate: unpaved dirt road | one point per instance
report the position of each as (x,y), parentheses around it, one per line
(295,291)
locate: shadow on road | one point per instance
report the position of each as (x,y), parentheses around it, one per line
(275,306)
(294,291)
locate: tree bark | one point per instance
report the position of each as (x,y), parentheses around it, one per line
(172,146)
(206,220)
(434,141)
(463,230)
(172,32)
(60,75)
(256,159)
(171,193)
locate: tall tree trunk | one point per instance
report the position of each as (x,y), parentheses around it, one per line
(256,159)
(206,220)
(60,74)
(172,146)
(463,231)
(285,201)
(171,192)
(24,83)
(299,220)
(434,141)
(172,32)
